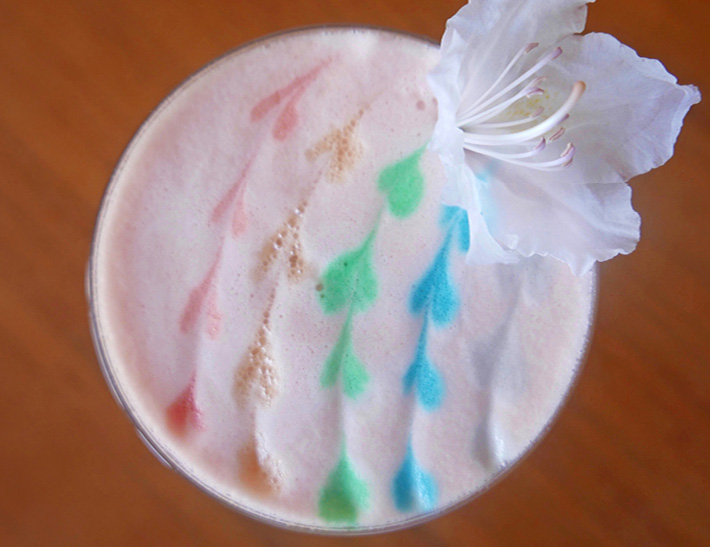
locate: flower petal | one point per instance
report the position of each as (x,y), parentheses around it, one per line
(477,45)
(625,124)
(486,34)
(465,193)
(576,223)
(630,116)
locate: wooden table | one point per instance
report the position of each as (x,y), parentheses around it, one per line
(628,461)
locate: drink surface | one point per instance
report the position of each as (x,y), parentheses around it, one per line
(283,305)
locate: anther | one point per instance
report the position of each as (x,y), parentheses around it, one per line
(557,134)
(531,46)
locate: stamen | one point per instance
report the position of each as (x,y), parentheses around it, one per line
(544,60)
(563,161)
(501,125)
(535,131)
(508,156)
(520,140)
(497,109)
(523,51)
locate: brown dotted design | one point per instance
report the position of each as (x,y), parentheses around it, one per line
(344,147)
(259,472)
(256,377)
(286,241)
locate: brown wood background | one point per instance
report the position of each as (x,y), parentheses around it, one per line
(628,461)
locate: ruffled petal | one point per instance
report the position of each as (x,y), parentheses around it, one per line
(628,120)
(576,223)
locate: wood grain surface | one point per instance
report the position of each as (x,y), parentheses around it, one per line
(626,463)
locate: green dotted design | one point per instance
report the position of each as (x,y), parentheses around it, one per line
(344,494)
(343,359)
(351,279)
(403,183)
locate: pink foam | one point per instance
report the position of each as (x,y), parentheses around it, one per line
(184,412)
(239,216)
(263,106)
(198,295)
(214,316)
(236,191)
(288,119)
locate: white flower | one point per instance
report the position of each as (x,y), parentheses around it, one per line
(521,96)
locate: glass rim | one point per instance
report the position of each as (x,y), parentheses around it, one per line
(143,431)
